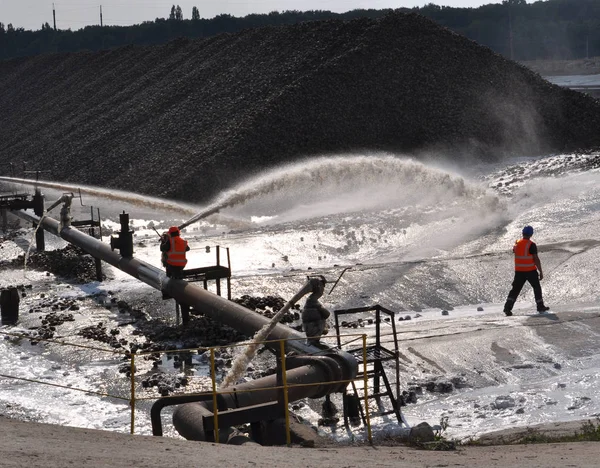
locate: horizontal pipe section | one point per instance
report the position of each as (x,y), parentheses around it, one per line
(311,380)
(136,268)
(216,307)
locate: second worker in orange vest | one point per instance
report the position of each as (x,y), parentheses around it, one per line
(527,268)
(173,248)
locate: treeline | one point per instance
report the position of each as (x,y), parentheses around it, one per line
(552,29)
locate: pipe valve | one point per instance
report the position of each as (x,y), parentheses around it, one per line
(124,241)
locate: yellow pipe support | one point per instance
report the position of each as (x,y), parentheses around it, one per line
(132,401)
(288,437)
(214,393)
(366,380)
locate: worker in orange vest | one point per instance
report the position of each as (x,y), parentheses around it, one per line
(527,268)
(174,248)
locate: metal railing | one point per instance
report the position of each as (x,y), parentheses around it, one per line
(213,393)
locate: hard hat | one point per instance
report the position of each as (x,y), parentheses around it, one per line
(528,231)
(173,230)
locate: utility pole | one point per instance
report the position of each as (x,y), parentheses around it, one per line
(101,16)
(54,16)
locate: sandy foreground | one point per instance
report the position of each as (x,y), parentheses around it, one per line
(26,444)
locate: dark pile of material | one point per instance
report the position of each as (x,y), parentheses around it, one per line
(188,119)
(269,306)
(70,263)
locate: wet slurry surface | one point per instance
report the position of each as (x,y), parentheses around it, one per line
(428,243)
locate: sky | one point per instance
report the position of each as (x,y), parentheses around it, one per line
(76,14)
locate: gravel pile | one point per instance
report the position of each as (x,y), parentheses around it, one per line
(190,118)
(70,263)
(269,306)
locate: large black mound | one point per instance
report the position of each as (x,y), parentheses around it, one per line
(187,119)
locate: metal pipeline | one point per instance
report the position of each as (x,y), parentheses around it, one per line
(217,308)
(329,366)
(311,379)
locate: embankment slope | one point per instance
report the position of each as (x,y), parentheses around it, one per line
(190,118)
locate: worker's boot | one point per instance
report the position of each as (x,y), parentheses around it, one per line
(508,305)
(541,308)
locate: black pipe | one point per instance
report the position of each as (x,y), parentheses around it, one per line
(330,366)
(311,381)
(162,403)
(216,307)
(38,209)
(9,306)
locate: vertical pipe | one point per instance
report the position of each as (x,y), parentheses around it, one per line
(125,236)
(132,401)
(366,383)
(98,269)
(337,330)
(9,306)
(214,393)
(229,275)
(288,437)
(38,209)
(397,354)
(92,230)
(218,264)
(97,261)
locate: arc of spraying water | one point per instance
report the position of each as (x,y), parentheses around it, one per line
(241,361)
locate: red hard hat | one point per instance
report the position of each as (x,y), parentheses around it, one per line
(173,229)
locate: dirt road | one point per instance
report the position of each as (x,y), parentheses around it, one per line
(25,444)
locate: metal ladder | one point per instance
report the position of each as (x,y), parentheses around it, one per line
(376,374)
(376,354)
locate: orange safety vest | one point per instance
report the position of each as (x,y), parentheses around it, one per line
(523,259)
(176,252)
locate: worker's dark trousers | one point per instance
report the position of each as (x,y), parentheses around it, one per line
(177,273)
(517,285)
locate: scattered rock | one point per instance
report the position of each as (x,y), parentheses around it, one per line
(503,402)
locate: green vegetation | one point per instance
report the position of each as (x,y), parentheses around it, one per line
(590,432)
(552,29)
